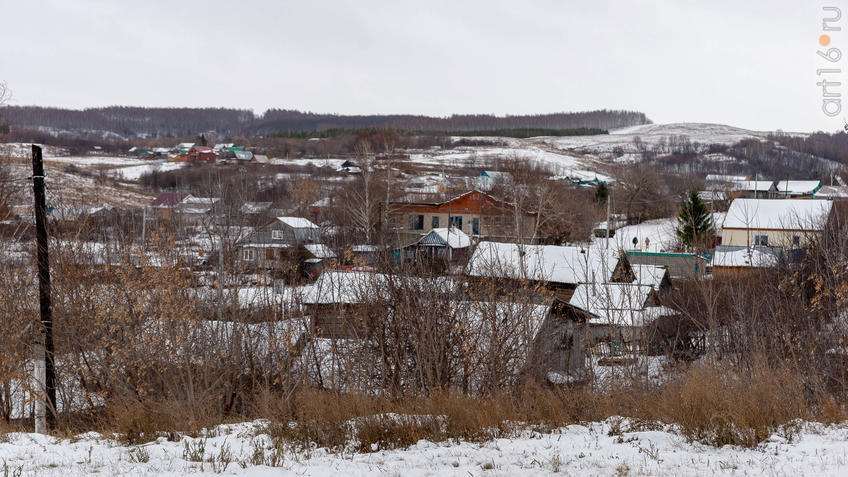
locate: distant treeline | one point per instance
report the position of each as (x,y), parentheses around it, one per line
(121,122)
(516,133)
(833,146)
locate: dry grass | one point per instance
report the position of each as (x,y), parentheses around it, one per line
(709,403)
(720,406)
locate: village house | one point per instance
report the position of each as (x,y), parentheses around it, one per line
(798,189)
(618,311)
(554,268)
(678,264)
(735,259)
(273,245)
(342,305)
(785,223)
(242,156)
(201,154)
(475,213)
(164,204)
(831,193)
(487,179)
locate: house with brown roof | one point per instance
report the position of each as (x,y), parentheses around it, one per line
(201,154)
(475,213)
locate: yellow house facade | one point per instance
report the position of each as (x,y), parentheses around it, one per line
(786,223)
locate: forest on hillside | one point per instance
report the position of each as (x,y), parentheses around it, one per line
(122,122)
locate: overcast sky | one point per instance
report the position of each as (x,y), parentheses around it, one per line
(746,63)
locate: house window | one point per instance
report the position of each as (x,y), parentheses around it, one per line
(277,235)
(269,254)
(417,222)
(475,226)
(456,221)
(248,254)
(796,241)
(435,221)
(761,240)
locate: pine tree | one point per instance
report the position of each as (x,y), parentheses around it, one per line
(694,222)
(601,192)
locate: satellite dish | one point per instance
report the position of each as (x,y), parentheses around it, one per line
(635,240)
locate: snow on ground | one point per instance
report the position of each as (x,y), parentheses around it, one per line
(96,160)
(481,156)
(651,134)
(24,150)
(652,236)
(590,450)
(317,162)
(133,173)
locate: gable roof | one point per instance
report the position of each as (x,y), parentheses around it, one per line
(617,304)
(759,186)
(747,257)
(799,187)
(777,214)
(334,286)
(319,250)
(551,263)
(255,207)
(832,192)
(169,199)
(297,222)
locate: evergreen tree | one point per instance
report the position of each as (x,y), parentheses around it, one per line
(694,222)
(601,192)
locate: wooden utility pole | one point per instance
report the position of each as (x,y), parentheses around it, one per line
(47,351)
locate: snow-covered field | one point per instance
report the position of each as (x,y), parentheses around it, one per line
(590,450)
(702,133)
(133,173)
(96,160)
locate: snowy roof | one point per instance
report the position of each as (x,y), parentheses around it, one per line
(743,257)
(594,297)
(184,145)
(832,192)
(724,178)
(798,187)
(649,275)
(334,286)
(325,202)
(297,222)
(452,237)
(621,304)
(777,214)
(255,207)
(759,186)
(320,250)
(550,263)
(243,155)
(168,199)
(261,158)
(496,175)
(367,248)
(192,200)
(265,245)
